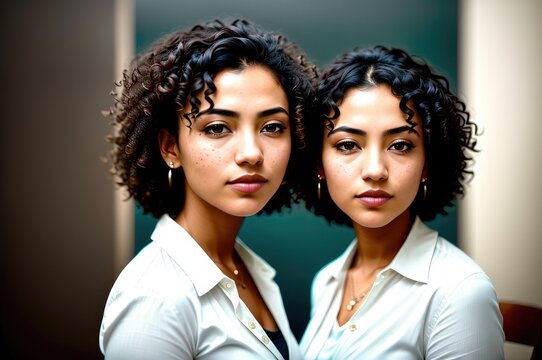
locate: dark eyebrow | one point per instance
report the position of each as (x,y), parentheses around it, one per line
(233,114)
(273,111)
(216,111)
(363,133)
(348,130)
(401,129)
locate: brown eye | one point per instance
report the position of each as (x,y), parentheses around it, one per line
(274,128)
(216,129)
(347,146)
(401,146)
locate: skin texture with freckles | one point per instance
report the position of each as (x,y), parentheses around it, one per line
(373,162)
(208,120)
(372,149)
(234,157)
(236,139)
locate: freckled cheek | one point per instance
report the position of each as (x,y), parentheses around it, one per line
(203,158)
(279,156)
(412,171)
(338,176)
(277,164)
(347,171)
(334,166)
(408,176)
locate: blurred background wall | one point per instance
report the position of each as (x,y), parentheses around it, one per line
(56,196)
(64,234)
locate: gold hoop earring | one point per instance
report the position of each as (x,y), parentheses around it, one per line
(424,183)
(170,175)
(319,187)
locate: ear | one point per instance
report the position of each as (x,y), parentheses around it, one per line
(169,148)
(320,171)
(425,173)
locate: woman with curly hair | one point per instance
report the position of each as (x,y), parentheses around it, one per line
(390,151)
(210,132)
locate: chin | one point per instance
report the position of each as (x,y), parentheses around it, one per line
(372,221)
(246,211)
(243,214)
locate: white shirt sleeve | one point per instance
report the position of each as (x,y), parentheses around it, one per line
(467,325)
(148,326)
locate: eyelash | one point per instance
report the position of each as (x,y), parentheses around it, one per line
(341,146)
(348,146)
(274,128)
(218,130)
(404,144)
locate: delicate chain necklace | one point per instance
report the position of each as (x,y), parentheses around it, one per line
(238,278)
(355,298)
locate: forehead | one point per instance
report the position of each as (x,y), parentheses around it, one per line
(252,88)
(253,76)
(375,107)
(254,81)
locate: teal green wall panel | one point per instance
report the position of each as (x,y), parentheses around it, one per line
(296,242)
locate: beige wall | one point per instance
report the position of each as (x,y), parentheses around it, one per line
(123,208)
(501,78)
(56,196)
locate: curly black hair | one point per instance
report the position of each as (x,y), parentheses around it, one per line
(170,75)
(449,134)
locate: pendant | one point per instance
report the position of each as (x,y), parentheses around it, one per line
(351,305)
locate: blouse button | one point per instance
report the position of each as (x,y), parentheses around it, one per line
(353,327)
(265,339)
(251,325)
(228,285)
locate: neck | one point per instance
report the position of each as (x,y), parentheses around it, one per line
(378,246)
(214,231)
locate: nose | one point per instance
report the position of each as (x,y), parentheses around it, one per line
(374,167)
(249,151)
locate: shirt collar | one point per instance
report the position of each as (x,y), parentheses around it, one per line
(412,261)
(339,266)
(194,261)
(187,253)
(255,264)
(414,258)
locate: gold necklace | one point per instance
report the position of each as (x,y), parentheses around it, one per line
(356,298)
(237,275)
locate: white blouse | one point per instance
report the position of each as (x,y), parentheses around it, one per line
(431,302)
(173,302)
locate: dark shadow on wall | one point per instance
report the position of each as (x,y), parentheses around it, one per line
(56,195)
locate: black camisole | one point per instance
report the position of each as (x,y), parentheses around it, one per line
(280,343)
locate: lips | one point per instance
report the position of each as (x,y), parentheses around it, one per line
(374,198)
(248,183)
